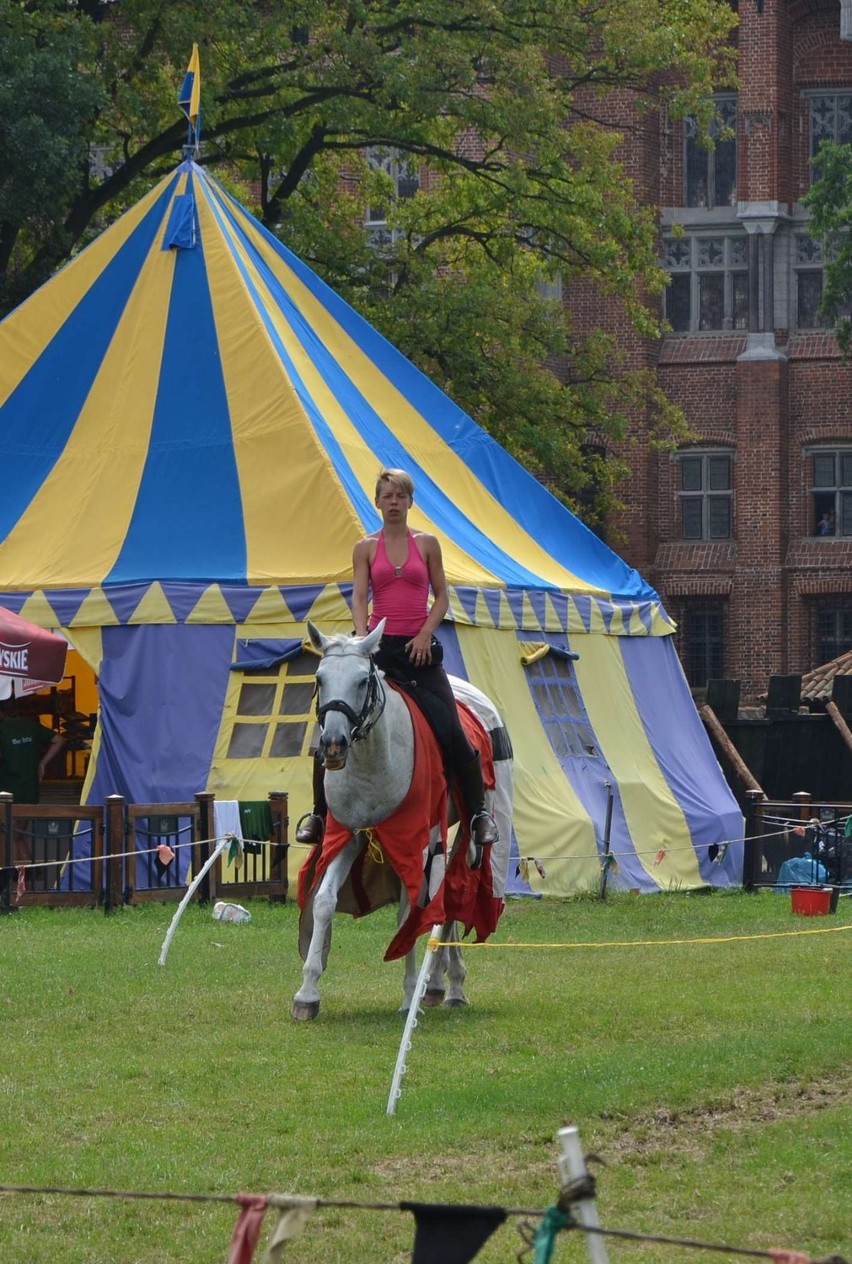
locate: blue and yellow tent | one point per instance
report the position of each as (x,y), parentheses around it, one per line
(191,424)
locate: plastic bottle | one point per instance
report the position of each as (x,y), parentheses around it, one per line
(224,912)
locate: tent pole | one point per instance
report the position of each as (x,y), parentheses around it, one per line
(607,833)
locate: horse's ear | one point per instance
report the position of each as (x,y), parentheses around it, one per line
(372,639)
(318,641)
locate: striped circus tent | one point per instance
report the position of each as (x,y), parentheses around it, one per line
(195,423)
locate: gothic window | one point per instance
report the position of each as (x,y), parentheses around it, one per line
(831,119)
(710,173)
(403,177)
(705,494)
(808,261)
(708,287)
(833,628)
(832,491)
(702,642)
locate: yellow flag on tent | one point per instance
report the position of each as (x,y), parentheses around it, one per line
(189,97)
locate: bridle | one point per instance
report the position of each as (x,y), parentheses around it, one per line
(364,720)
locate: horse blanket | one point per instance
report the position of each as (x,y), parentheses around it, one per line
(407,846)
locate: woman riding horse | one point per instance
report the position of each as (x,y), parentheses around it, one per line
(399,566)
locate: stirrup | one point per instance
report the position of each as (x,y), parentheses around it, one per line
(483,829)
(310,828)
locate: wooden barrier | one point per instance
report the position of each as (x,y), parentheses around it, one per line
(110,854)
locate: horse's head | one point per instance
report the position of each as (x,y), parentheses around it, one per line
(350,696)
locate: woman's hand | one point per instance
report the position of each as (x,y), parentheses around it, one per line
(419,648)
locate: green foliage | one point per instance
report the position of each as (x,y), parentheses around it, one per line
(830,204)
(46,107)
(500,106)
(712,1077)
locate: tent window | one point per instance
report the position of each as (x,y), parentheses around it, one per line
(288,740)
(278,708)
(296,699)
(553,685)
(256,700)
(246,741)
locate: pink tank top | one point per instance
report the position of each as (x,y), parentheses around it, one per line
(400,593)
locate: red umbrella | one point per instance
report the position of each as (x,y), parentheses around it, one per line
(31,655)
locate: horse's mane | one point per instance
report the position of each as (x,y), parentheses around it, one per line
(342,643)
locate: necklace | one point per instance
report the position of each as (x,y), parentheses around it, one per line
(397,570)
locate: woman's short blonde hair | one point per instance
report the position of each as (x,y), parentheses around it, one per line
(400,478)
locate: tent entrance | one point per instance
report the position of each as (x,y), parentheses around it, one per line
(69,708)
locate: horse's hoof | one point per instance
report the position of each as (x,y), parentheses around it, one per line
(455,1002)
(432,998)
(304,1011)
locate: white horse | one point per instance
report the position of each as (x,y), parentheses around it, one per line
(367,745)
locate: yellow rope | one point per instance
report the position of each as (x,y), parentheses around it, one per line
(374,849)
(432,943)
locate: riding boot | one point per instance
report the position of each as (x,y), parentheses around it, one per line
(483,827)
(311,827)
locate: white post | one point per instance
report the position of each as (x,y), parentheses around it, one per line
(572,1167)
(411,1021)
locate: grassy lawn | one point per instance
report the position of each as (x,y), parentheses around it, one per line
(713,1078)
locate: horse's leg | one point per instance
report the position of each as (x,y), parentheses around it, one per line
(409,978)
(306,1002)
(435,987)
(456,970)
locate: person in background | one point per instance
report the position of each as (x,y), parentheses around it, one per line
(26,749)
(398,567)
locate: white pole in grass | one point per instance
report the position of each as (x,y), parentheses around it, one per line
(572,1167)
(190,891)
(411,1020)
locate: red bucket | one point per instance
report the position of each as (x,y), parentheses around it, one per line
(810,901)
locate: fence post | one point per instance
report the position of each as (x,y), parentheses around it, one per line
(804,801)
(802,798)
(115,844)
(201,850)
(6,801)
(279,807)
(572,1167)
(752,850)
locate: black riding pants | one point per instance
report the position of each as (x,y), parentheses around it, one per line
(430,688)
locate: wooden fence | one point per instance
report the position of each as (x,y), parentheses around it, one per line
(127,853)
(777,830)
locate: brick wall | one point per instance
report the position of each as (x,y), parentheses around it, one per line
(766,411)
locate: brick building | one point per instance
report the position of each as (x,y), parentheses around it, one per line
(728,528)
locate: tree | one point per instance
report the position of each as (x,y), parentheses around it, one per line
(493,101)
(830,204)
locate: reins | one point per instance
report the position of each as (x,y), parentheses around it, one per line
(369,715)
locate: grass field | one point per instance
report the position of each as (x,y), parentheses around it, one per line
(713,1077)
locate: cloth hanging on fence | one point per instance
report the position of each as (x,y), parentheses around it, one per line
(452,1235)
(226,818)
(256,823)
(247,1229)
(291,1222)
